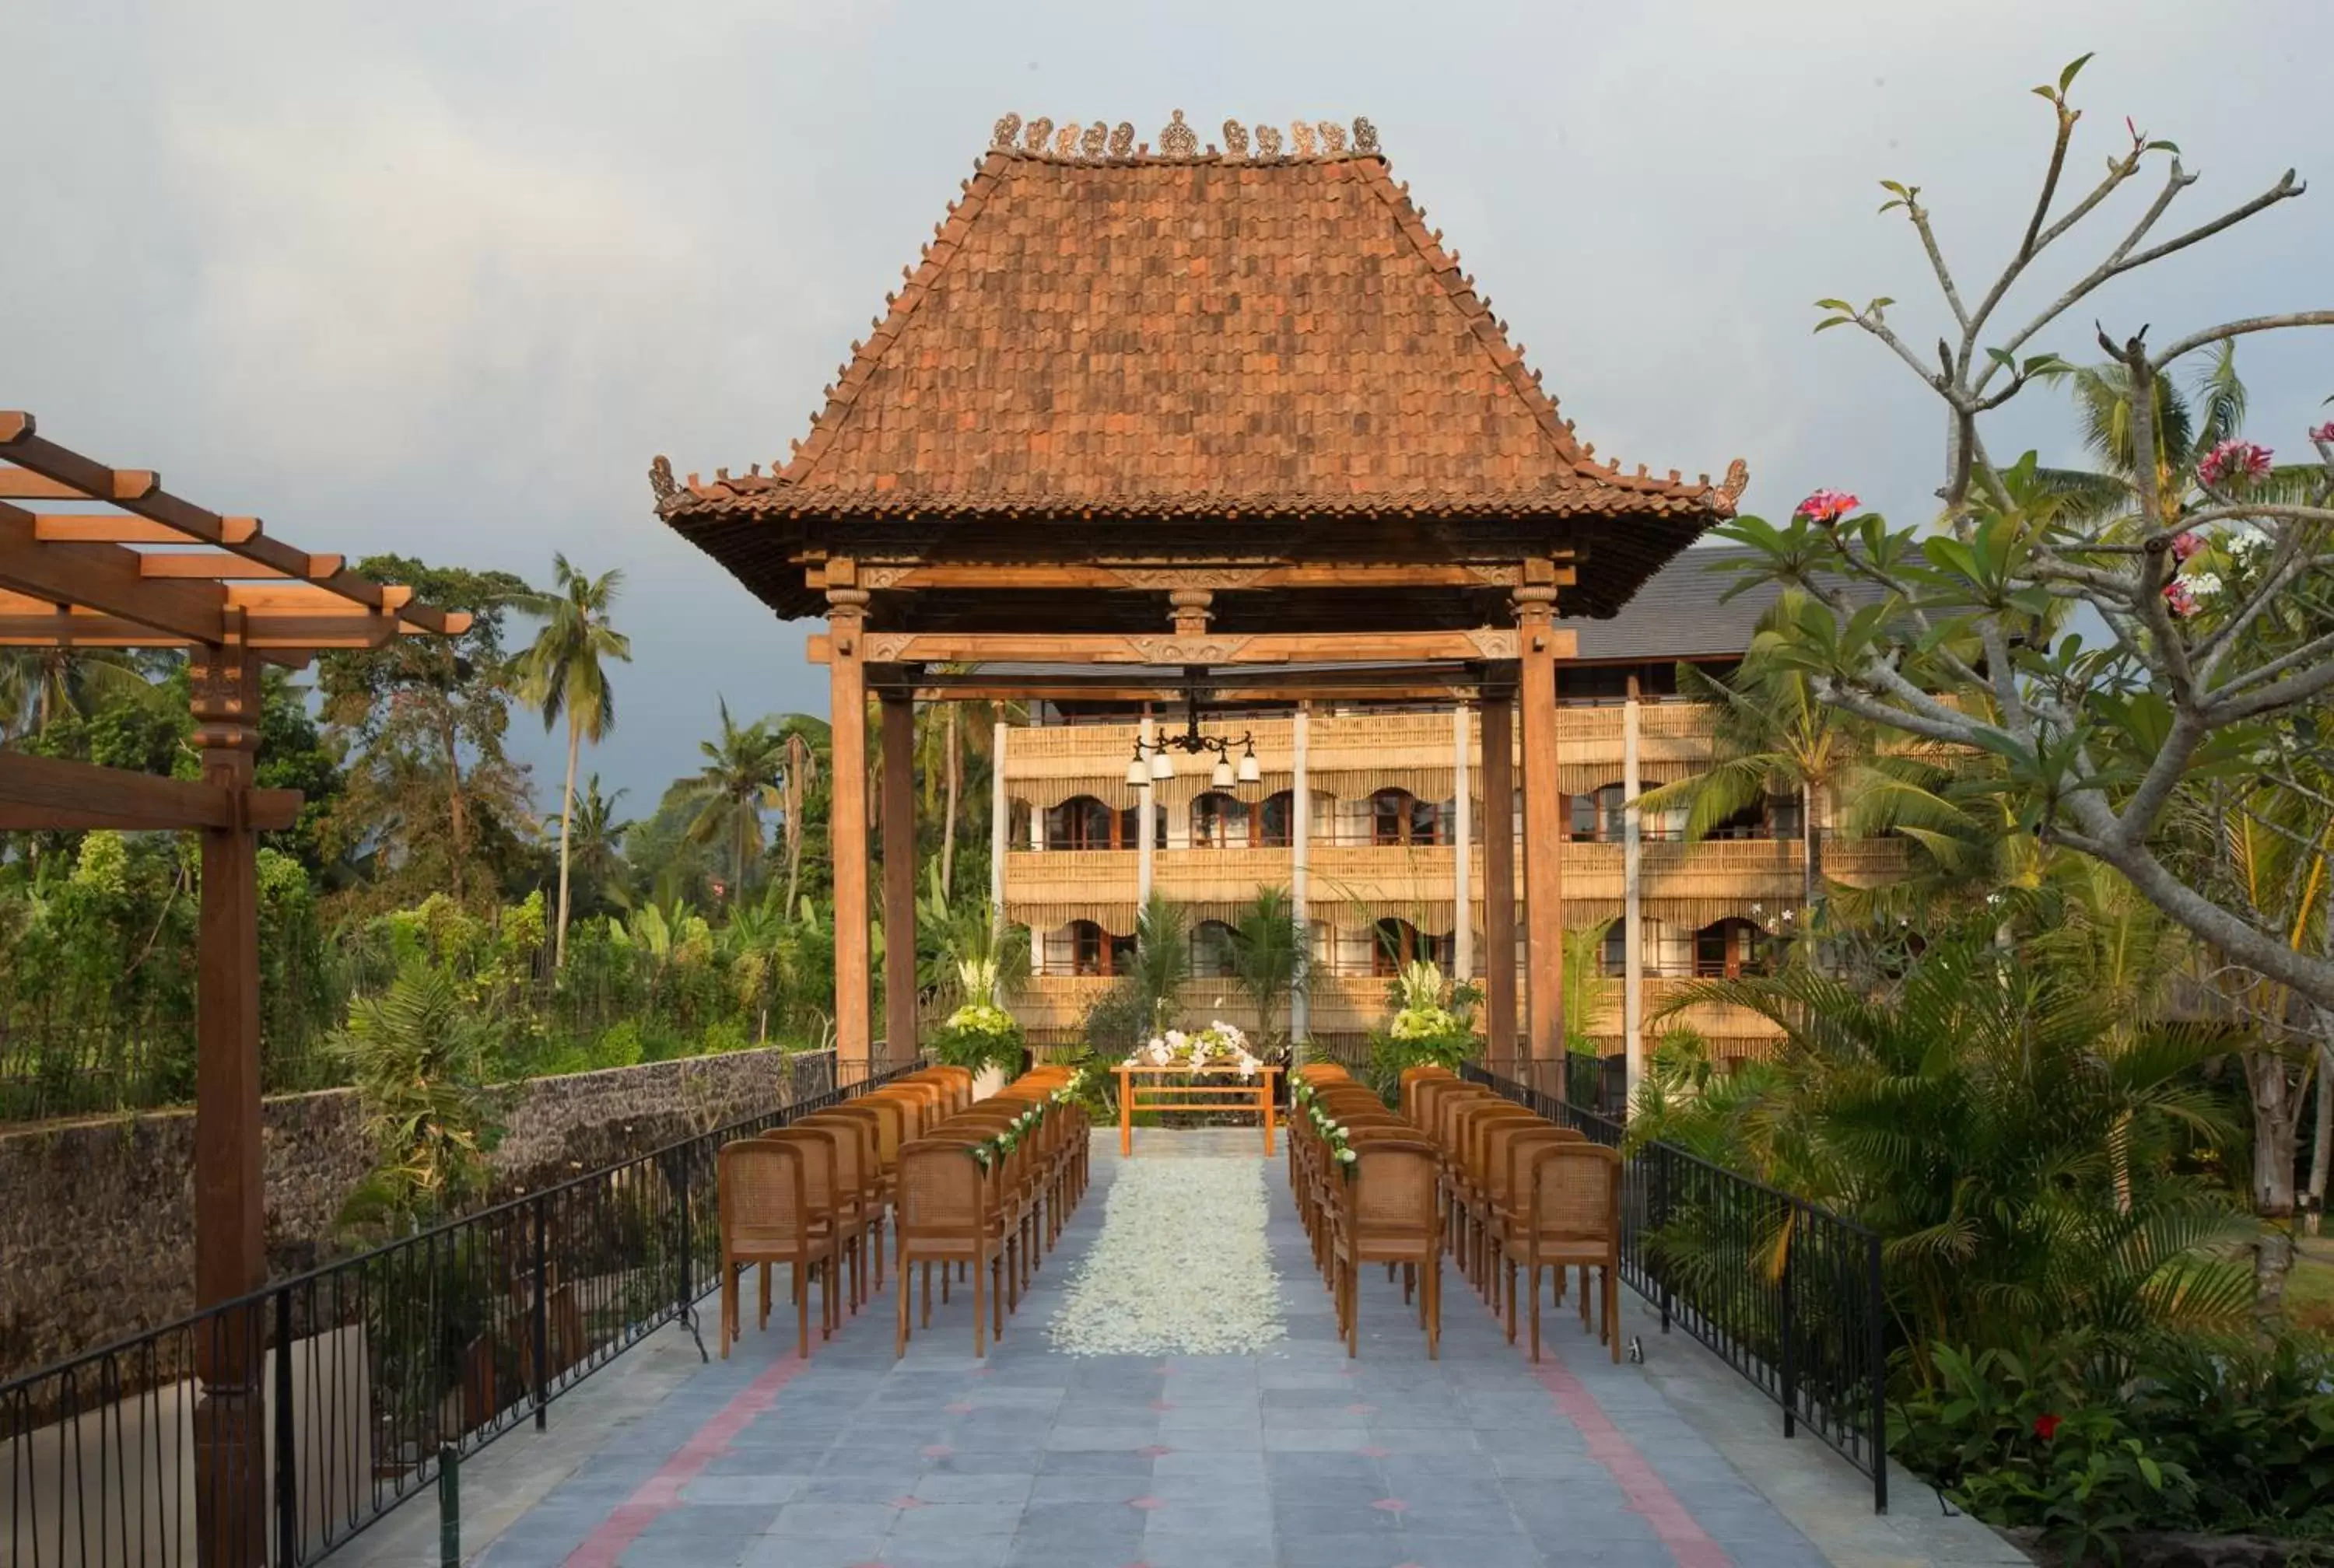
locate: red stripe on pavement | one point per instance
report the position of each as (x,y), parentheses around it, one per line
(1648,1494)
(660,1493)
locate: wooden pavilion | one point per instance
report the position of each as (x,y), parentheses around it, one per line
(112,559)
(1191,425)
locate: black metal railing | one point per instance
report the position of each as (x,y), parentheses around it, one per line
(1785,1291)
(272,1428)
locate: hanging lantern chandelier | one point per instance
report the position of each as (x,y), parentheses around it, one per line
(1151,763)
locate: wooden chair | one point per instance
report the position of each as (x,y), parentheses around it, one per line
(857,1213)
(945,1216)
(1573,1217)
(765,1218)
(1387,1212)
(816,1146)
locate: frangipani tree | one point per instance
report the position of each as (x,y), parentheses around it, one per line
(2217,659)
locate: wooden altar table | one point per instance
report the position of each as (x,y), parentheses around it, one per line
(1258,1093)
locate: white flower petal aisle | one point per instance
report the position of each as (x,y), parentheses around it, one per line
(1180,1267)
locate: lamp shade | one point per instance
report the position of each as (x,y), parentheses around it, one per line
(1248,771)
(1137,773)
(1222,777)
(1160,766)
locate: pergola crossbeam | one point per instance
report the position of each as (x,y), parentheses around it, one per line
(114,528)
(140,492)
(39,793)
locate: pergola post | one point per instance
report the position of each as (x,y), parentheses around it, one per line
(1544,828)
(1499,875)
(899,878)
(230,1195)
(846,620)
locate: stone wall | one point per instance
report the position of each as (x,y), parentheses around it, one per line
(97,1216)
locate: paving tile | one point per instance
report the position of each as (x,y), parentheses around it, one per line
(1298,1457)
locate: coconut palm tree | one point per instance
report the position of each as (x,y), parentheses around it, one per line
(2189,423)
(1772,735)
(743,776)
(597,836)
(564,674)
(39,685)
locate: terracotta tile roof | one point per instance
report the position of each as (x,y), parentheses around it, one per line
(1096,330)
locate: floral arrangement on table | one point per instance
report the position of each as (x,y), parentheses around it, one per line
(1219,1042)
(981,1034)
(1332,1131)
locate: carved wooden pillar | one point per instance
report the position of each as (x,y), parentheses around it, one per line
(899,878)
(230,1197)
(846,622)
(1544,827)
(1300,872)
(1499,877)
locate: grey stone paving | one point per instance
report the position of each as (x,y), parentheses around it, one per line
(1295,1457)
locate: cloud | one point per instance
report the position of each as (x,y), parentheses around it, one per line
(442,277)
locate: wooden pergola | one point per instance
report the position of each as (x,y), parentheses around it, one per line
(96,557)
(1190,426)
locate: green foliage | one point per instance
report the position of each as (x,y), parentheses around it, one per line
(1269,960)
(420,1058)
(2019,1171)
(2089,1442)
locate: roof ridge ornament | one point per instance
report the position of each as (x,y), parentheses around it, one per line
(1179,140)
(1079,143)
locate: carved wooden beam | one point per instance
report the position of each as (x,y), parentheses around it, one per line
(1261,648)
(1146,576)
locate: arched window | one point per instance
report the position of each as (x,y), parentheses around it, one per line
(1211,950)
(1399,817)
(1091,951)
(1218,822)
(1601,816)
(1083,822)
(1613,955)
(1276,821)
(1726,949)
(1395,943)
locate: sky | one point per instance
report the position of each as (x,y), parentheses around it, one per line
(442,278)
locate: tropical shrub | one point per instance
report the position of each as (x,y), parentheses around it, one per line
(2088,1440)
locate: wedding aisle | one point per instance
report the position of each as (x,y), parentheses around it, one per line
(1182,1266)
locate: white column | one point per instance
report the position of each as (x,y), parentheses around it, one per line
(1462,876)
(1000,834)
(1300,840)
(1633,982)
(1146,830)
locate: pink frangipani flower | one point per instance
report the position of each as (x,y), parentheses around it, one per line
(1826,507)
(2235,461)
(2324,432)
(2184,546)
(2178,599)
